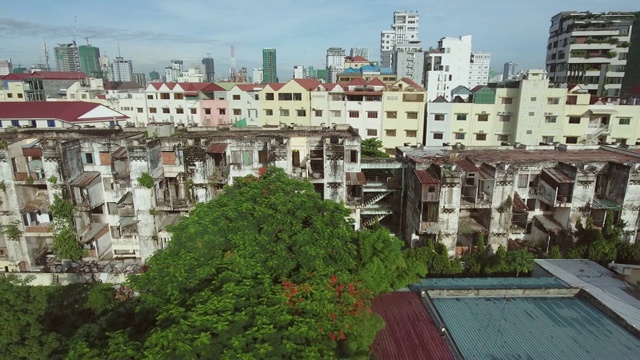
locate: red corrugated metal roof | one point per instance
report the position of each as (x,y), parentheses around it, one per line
(70,111)
(217,148)
(308,84)
(250,87)
(355,178)
(426,177)
(409,332)
(518,204)
(376,82)
(359,58)
(559,176)
(276,86)
(413,84)
(468,166)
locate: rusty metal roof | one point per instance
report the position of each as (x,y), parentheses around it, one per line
(518,204)
(559,176)
(41,204)
(468,166)
(217,148)
(426,177)
(93,231)
(120,153)
(126,199)
(85,179)
(355,178)
(409,332)
(469,226)
(549,223)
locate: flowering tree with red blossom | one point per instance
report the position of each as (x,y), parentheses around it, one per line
(268,270)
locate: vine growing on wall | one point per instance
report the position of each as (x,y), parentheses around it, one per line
(146,180)
(65,240)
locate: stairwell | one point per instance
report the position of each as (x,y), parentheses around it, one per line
(373,220)
(376,198)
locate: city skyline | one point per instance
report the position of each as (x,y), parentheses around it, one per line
(145,35)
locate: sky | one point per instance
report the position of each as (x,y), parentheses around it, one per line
(152,32)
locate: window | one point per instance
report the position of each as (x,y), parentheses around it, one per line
(505,118)
(412,115)
(140,110)
(411,133)
(149,97)
(207,111)
(523,181)
(461,117)
(87,158)
(483,117)
(19,96)
(9,95)
(335,113)
(572,100)
(178,96)
(392,114)
(532,113)
(529,132)
(222,111)
(438,117)
(284,112)
(301,112)
(553,101)
(503,138)
(317,113)
(236,97)
(152,110)
(438,136)
(165,96)
(459,136)
(534,98)
(481,137)
(413,97)
(297,96)
(166,111)
(574,120)
(550,119)
(194,111)
(51,123)
(237,111)
(571,140)
(179,111)
(506,100)
(269,96)
(625,121)
(372,114)
(372,132)
(353,156)
(354,114)
(390,133)
(547,139)
(268,112)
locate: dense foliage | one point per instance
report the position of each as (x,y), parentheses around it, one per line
(501,263)
(65,242)
(371,148)
(267,270)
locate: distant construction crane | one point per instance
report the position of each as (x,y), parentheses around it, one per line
(87,39)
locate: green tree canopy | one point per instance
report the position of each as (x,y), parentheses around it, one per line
(267,270)
(65,242)
(371,148)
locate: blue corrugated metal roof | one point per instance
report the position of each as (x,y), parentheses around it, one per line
(489,283)
(534,328)
(386,71)
(351,71)
(369,68)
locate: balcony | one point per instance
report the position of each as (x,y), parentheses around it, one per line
(42,228)
(316,174)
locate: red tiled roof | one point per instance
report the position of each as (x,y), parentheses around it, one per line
(376,82)
(58,75)
(413,84)
(121,85)
(217,148)
(308,84)
(330,86)
(359,58)
(477,87)
(16,77)
(189,86)
(249,87)
(70,111)
(276,86)
(357,82)
(409,331)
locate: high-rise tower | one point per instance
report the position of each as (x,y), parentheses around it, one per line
(209,70)
(403,30)
(269,66)
(89,57)
(67,57)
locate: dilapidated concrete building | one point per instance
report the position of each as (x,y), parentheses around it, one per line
(534,193)
(117,217)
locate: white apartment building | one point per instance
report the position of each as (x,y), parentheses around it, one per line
(121,70)
(591,49)
(530,111)
(173,71)
(480,65)
(408,61)
(403,30)
(298,72)
(244,103)
(359,51)
(5,67)
(257,76)
(335,63)
(196,73)
(448,66)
